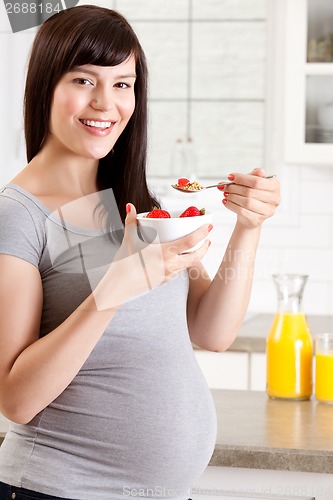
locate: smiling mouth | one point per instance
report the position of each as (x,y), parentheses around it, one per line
(96,124)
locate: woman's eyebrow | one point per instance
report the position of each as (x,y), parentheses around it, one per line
(95,73)
(130,75)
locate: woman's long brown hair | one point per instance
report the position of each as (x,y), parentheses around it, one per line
(81,35)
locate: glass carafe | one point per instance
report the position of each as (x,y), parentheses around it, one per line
(289,346)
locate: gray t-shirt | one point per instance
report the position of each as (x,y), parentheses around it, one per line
(138,419)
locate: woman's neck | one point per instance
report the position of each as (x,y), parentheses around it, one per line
(57,179)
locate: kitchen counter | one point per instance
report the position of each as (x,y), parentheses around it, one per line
(253,333)
(257,432)
(260,433)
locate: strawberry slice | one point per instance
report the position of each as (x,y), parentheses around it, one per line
(192,212)
(182,182)
(158,213)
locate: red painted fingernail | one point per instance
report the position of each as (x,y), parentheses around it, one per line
(128,208)
(210,227)
(226,194)
(221,188)
(224,201)
(231,177)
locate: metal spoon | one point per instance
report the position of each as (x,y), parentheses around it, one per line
(222,183)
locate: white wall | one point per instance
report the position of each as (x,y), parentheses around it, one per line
(300,237)
(207,79)
(302,244)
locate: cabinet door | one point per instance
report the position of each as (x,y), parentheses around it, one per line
(258,371)
(224,370)
(225,496)
(233,483)
(308,82)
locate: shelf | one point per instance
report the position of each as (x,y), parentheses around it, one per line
(320,69)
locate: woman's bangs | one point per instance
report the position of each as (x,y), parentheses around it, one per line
(105,47)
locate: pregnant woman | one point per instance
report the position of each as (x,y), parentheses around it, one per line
(97,371)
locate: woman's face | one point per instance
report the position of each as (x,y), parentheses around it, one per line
(90,108)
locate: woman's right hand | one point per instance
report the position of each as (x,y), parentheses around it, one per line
(139,267)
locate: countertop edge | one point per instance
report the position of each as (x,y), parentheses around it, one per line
(314,461)
(273,459)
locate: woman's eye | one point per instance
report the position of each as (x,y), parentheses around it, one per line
(122,85)
(82,81)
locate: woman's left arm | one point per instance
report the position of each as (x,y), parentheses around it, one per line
(216,309)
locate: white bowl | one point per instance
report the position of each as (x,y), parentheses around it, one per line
(166,230)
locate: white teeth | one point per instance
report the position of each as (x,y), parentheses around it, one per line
(92,123)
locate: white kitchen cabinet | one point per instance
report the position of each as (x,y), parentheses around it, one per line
(226,483)
(233,370)
(308,80)
(257,371)
(224,370)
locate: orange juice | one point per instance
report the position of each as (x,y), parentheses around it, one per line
(324,377)
(289,357)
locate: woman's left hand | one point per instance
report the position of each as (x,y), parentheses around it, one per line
(252,197)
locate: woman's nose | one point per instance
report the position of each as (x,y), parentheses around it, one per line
(102,101)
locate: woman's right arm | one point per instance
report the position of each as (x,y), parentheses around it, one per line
(34,371)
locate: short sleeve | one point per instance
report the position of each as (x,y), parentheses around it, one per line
(18,232)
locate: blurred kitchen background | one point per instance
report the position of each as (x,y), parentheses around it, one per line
(234,85)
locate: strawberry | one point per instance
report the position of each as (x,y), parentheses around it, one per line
(182,182)
(157,213)
(192,212)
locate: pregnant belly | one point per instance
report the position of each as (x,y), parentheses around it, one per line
(156,432)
